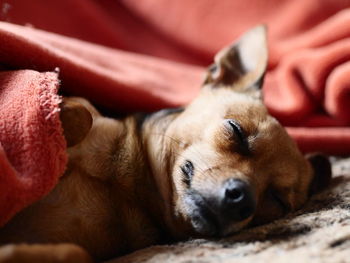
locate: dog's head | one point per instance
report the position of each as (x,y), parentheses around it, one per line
(223,162)
(220,163)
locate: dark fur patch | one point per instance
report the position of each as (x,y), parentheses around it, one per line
(141,118)
(169,111)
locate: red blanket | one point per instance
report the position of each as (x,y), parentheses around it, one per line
(32,147)
(145,55)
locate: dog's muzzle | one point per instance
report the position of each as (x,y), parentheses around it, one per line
(217,214)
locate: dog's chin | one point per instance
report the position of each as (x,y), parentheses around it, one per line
(205,227)
(205,222)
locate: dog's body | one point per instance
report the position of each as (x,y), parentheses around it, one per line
(106,202)
(207,170)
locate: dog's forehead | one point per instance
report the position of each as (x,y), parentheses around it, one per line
(224,102)
(269,140)
(205,118)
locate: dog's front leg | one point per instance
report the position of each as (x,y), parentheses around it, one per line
(48,253)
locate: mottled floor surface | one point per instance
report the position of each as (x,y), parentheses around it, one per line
(320,232)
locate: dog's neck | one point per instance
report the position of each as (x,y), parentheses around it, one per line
(160,151)
(145,154)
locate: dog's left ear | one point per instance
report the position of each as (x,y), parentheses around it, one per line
(242,65)
(76,120)
(322,172)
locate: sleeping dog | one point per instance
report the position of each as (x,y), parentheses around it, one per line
(207,170)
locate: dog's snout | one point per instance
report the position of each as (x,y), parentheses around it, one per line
(216,214)
(238,201)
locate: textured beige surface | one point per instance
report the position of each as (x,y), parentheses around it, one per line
(320,232)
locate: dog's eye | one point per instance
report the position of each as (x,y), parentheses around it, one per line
(237,129)
(187,170)
(239,135)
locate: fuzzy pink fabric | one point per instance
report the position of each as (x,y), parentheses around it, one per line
(32,147)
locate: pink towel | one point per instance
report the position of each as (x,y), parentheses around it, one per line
(32,147)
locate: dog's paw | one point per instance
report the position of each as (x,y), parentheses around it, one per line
(61,253)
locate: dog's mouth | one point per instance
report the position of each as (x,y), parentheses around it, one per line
(203,219)
(211,218)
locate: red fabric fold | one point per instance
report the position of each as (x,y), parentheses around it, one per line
(32,147)
(113,78)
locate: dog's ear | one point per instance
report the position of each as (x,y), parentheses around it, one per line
(242,65)
(76,121)
(322,172)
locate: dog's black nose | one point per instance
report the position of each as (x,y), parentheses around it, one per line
(238,202)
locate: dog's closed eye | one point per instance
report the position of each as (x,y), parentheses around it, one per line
(238,136)
(188,170)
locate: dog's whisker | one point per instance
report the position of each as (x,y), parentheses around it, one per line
(199,155)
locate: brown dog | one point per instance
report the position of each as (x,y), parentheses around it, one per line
(209,169)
